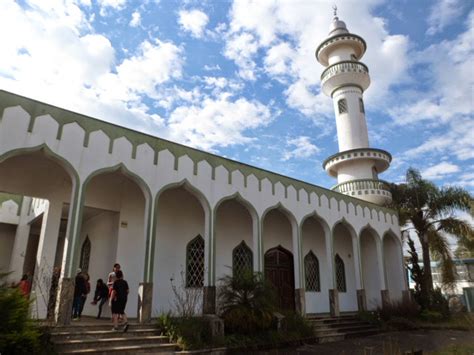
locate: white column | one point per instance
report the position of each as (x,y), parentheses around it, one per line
(381,264)
(330,260)
(45,256)
(357,266)
(20,244)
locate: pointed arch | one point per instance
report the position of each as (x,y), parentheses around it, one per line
(195,263)
(340,274)
(312,276)
(242,259)
(85,255)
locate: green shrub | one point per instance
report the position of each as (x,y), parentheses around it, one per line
(18,333)
(247,303)
(439,304)
(296,326)
(189,333)
(369,317)
(431,316)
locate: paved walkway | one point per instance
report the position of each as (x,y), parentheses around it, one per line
(426,340)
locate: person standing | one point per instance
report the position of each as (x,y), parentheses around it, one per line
(87,284)
(80,291)
(24,286)
(112,277)
(101,295)
(118,300)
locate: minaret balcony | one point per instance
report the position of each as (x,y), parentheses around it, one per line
(345,73)
(380,158)
(371,190)
(325,49)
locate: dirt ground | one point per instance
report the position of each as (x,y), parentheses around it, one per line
(426,340)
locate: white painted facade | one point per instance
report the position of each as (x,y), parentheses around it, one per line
(141,200)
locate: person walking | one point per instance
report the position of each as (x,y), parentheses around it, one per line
(118,300)
(101,295)
(112,277)
(80,291)
(87,284)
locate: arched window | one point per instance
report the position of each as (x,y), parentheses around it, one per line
(242,259)
(342,106)
(361,106)
(340,274)
(85,255)
(311,270)
(195,262)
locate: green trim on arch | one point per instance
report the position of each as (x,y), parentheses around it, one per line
(89,125)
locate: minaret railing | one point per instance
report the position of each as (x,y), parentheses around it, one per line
(344,67)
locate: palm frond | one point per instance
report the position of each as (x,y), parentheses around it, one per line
(449,199)
(462,230)
(441,251)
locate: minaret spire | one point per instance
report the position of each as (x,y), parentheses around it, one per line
(345,79)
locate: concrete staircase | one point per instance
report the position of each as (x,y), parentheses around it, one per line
(99,338)
(329,329)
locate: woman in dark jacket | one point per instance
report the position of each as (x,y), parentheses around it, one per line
(118,300)
(101,295)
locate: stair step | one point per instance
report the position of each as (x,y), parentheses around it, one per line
(125,340)
(91,334)
(126,349)
(80,326)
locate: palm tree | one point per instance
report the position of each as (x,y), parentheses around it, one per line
(429,212)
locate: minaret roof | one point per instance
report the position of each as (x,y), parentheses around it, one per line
(337,27)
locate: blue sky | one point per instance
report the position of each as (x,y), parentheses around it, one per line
(239,78)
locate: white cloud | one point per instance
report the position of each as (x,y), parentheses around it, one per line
(300,148)
(217,122)
(136,19)
(440,170)
(193,21)
(287,36)
(443,13)
(107,5)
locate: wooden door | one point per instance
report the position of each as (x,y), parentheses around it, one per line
(279,271)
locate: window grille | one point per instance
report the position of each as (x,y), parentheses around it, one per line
(242,259)
(195,262)
(340,274)
(311,269)
(342,106)
(85,255)
(361,106)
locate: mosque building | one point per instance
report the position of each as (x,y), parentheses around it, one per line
(77,192)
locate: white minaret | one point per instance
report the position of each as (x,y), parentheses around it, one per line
(345,79)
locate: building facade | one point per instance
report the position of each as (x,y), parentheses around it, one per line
(170,214)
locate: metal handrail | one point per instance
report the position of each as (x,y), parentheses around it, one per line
(362,184)
(344,66)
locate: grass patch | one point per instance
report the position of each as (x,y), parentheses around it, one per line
(456,322)
(456,350)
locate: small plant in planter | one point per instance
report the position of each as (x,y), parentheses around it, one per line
(247,302)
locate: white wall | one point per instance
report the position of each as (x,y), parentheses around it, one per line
(370,269)
(277,231)
(343,247)
(393,267)
(232,226)
(7,239)
(312,236)
(180,218)
(102,232)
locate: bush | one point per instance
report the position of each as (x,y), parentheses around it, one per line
(369,317)
(296,326)
(18,333)
(189,333)
(247,303)
(431,316)
(439,304)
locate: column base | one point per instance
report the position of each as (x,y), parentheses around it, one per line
(145,302)
(64,301)
(385,298)
(209,300)
(300,301)
(334,303)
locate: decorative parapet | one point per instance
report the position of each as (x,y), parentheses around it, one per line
(365,187)
(345,73)
(17,199)
(346,38)
(381,157)
(113,132)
